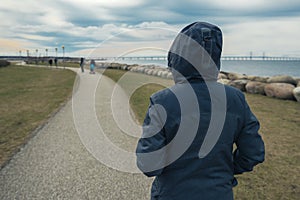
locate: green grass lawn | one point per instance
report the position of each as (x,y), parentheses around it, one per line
(278,177)
(139,101)
(28,97)
(115,75)
(69,64)
(60,63)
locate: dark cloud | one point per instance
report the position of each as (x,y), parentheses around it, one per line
(70,23)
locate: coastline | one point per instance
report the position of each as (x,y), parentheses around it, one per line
(283,87)
(249,67)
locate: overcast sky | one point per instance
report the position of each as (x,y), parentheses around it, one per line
(120,27)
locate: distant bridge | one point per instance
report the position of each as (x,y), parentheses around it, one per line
(274,58)
(237,58)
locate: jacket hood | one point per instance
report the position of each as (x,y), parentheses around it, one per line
(196,53)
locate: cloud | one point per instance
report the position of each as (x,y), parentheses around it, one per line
(35,37)
(80,24)
(107,4)
(116,49)
(14,46)
(273,36)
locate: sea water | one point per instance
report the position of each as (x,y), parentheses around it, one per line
(262,67)
(248,67)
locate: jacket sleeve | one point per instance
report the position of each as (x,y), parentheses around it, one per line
(153,140)
(250,146)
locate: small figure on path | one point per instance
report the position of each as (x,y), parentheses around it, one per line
(82,64)
(50,62)
(55,62)
(92,67)
(190,128)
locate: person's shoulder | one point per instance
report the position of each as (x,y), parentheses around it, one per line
(162,94)
(233,92)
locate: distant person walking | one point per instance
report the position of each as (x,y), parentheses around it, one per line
(82,64)
(50,62)
(55,62)
(92,67)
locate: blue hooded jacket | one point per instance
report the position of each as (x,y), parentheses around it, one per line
(190,128)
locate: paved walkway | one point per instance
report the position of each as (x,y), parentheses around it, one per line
(56,165)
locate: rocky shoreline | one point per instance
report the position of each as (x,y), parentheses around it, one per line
(280,87)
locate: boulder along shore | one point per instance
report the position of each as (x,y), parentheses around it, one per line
(281,87)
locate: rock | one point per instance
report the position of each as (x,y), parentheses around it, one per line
(280,90)
(101,65)
(296,93)
(149,72)
(165,74)
(298,81)
(236,76)
(140,70)
(258,79)
(133,69)
(115,65)
(282,79)
(124,67)
(224,81)
(255,87)
(159,73)
(222,76)
(155,72)
(226,73)
(169,76)
(146,71)
(239,84)
(106,65)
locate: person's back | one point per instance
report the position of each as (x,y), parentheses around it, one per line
(55,61)
(82,64)
(92,66)
(194,108)
(50,62)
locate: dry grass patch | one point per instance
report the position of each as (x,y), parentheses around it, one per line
(28,97)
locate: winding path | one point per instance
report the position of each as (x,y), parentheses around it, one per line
(56,165)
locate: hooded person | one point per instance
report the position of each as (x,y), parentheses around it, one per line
(190,128)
